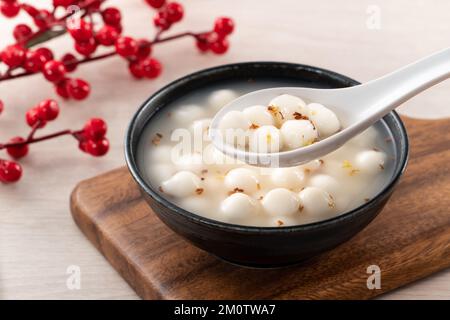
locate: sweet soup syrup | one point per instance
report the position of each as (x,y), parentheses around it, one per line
(179,161)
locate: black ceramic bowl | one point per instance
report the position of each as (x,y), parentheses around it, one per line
(259,246)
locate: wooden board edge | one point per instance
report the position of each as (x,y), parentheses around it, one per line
(104,245)
(408,275)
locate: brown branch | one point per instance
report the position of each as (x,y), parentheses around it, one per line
(33,130)
(106,55)
(43,138)
(57,22)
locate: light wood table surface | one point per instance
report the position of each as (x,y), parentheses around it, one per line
(39,240)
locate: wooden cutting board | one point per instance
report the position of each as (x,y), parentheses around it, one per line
(409,240)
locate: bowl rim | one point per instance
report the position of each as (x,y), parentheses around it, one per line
(149,190)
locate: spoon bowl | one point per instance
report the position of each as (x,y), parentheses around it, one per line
(357,108)
(300,155)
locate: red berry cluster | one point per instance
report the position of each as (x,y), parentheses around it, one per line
(47,110)
(9,8)
(41,18)
(91,139)
(216,40)
(88,37)
(10,171)
(138,52)
(43,60)
(167,13)
(95,26)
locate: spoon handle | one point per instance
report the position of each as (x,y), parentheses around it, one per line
(388,92)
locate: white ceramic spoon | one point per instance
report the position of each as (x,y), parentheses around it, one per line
(357,108)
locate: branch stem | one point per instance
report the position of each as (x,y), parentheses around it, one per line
(31,139)
(106,55)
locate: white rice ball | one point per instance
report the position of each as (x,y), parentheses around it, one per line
(289,105)
(242,178)
(234,127)
(219,98)
(190,162)
(161,172)
(182,184)
(324,119)
(234,120)
(370,161)
(218,161)
(280,202)
(266,139)
(289,178)
(238,206)
(316,202)
(366,138)
(298,133)
(313,165)
(259,115)
(201,127)
(187,114)
(196,204)
(325,182)
(282,221)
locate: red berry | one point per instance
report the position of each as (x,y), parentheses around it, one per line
(17,151)
(43,19)
(107,36)
(63,3)
(86,48)
(220,46)
(95,129)
(78,89)
(151,68)
(33,116)
(13,55)
(82,145)
(97,148)
(213,37)
(161,20)
(156,3)
(118,28)
(34,61)
(2,106)
(224,26)
(10,171)
(144,49)
(80,30)
(95,6)
(48,110)
(135,68)
(22,32)
(9,9)
(47,53)
(126,47)
(54,71)
(202,42)
(174,11)
(111,16)
(32,11)
(61,89)
(70,62)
